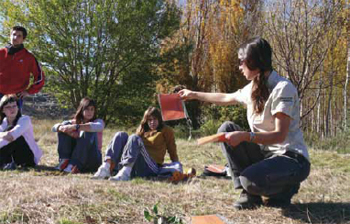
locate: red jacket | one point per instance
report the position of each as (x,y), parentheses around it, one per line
(15,72)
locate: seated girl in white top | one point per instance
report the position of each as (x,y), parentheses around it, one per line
(80,140)
(17,144)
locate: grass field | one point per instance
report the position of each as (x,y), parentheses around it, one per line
(44,196)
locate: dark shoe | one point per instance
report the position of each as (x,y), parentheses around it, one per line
(247,201)
(277,202)
(9,166)
(282,199)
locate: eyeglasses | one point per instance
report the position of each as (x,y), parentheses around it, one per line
(10,107)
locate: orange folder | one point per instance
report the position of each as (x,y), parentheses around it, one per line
(206,219)
(171,107)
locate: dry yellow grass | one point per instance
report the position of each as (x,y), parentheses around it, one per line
(44,196)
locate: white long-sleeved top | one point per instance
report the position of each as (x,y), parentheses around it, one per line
(23,128)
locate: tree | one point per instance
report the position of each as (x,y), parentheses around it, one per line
(105,49)
(206,46)
(303,33)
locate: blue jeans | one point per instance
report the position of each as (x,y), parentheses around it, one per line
(273,176)
(129,150)
(82,152)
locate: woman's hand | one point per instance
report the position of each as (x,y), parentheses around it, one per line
(186,94)
(67,128)
(236,137)
(6,136)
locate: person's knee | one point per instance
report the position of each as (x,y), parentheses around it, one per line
(228,126)
(134,137)
(250,186)
(121,135)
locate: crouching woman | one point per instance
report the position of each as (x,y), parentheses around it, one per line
(17,144)
(141,154)
(80,140)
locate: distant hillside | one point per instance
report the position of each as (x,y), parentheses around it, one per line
(45,105)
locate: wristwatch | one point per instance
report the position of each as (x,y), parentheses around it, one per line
(77,127)
(252,136)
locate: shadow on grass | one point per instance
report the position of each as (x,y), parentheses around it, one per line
(42,170)
(319,212)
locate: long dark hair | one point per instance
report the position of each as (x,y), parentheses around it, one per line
(6,99)
(144,128)
(84,104)
(257,54)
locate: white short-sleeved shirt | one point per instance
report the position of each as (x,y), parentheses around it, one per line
(283,99)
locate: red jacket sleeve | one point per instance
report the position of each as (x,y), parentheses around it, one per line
(39,77)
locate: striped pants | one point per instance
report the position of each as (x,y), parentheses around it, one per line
(126,150)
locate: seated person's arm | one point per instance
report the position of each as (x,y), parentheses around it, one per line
(171,145)
(6,136)
(94,126)
(282,122)
(217,98)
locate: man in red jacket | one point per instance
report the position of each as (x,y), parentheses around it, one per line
(17,65)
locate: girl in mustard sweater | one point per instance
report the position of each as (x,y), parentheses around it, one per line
(141,154)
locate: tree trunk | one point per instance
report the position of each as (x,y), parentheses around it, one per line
(345,91)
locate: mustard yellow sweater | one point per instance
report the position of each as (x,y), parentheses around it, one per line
(159,143)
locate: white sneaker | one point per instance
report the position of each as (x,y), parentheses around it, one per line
(122,175)
(103,172)
(68,169)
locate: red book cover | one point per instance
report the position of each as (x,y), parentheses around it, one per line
(171,107)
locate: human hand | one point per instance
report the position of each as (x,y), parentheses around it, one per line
(186,94)
(6,136)
(23,94)
(67,128)
(236,137)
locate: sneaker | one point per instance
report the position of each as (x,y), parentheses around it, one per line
(68,169)
(122,175)
(75,170)
(103,172)
(247,201)
(9,166)
(62,164)
(119,178)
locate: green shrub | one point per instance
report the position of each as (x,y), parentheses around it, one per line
(213,116)
(210,127)
(339,143)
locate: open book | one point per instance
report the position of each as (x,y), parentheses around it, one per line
(220,137)
(171,106)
